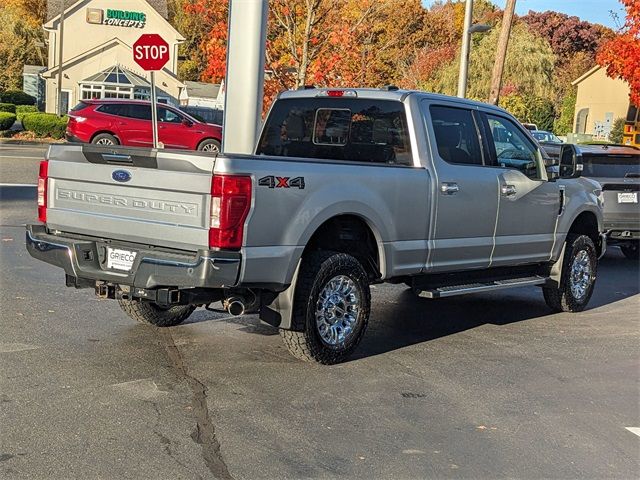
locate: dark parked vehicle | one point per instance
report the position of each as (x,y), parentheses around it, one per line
(549,143)
(128,123)
(617,169)
(213,116)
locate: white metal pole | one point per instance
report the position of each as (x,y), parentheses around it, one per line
(464,53)
(60,59)
(154,110)
(244,79)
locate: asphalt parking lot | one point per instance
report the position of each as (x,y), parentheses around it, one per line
(482,386)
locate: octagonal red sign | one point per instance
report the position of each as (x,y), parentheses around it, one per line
(151,52)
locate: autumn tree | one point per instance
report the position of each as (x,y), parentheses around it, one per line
(621,55)
(567,35)
(529,66)
(22,43)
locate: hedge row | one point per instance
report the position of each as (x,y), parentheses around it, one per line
(22,110)
(45,124)
(7,119)
(7,107)
(17,98)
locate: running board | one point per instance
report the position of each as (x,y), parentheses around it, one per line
(477,287)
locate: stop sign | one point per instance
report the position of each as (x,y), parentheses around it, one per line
(151,52)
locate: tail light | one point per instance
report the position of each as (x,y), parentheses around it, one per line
(230,204)
(43,177)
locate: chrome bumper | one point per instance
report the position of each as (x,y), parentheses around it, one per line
(86,259)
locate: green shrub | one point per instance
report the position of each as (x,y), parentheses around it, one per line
(7,107)
(22,110)
(45,124)
(617,131)
(7,119)
(17,98)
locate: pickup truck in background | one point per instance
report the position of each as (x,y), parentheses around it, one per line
(617,169)
(346,188)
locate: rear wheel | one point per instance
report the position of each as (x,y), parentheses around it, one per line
(331,308)
(210,146)
(153,314)
(105,139)
(578,276)
(631,250)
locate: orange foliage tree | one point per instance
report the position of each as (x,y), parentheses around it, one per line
(621,55)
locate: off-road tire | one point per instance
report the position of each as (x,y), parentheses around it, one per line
(105,136)
(304,341)
(561,299)
(632,252)
(150,313)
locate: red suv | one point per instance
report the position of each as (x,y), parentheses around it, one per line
(128,122)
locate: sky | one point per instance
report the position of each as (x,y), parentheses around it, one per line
(594,11)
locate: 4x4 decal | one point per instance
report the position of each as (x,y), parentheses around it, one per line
(281,182)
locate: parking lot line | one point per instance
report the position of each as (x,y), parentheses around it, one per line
(18,185)
(635,430)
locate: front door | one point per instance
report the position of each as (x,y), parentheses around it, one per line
(529,204)
(171,132)
(466,202)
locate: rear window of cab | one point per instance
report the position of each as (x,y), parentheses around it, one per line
(357,130)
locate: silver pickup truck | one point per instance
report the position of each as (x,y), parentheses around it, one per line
(346,188)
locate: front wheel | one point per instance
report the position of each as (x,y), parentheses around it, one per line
(631,250)
(331,308)
(153,314)
(578,276)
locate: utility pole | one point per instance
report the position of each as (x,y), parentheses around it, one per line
(464,53)
(244,79)
(60,35)
(501,53)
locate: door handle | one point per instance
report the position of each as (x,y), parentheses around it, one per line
(449,188)
(508,190)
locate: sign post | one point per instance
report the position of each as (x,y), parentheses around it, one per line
(151,52)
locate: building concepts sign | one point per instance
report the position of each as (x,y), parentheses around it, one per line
(117,18)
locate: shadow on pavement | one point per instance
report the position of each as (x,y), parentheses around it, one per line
(411,320)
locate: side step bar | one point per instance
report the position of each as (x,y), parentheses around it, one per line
(484,286)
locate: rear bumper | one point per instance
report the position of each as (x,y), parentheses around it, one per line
(86,259)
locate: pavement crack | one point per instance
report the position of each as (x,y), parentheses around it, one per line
(205,432)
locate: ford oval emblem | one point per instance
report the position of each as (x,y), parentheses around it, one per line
(121,176)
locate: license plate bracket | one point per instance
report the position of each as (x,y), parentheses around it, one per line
(119,259)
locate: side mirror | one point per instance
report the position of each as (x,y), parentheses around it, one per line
(187,123)
(570,161)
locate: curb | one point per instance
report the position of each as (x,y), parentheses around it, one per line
(10,141)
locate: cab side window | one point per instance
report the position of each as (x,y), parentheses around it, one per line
(456,135)
(512,148)
(168,116)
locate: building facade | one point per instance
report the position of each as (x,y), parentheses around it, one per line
(599,101)
(97,56)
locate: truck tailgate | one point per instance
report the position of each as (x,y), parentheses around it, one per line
(160,199)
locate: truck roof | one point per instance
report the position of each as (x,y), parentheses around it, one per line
(608,150)
(384,93)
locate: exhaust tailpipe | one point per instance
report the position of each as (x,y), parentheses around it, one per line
(235,306)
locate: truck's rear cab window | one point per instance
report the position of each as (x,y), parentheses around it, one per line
(357,130)
(611,166)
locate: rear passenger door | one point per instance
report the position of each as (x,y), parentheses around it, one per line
(529,204)
(466,200)
(135,125)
